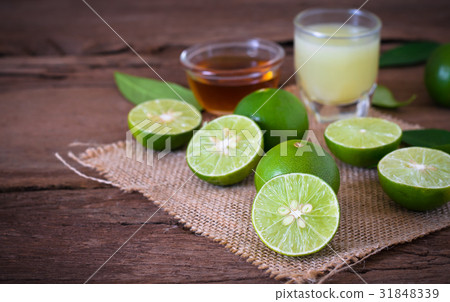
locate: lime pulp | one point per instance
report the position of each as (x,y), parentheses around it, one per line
(225,150)
(296,214)
(362,141)
(416,178)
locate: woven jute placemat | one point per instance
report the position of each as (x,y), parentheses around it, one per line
(370,221)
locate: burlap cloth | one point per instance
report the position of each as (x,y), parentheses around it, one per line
(370,221)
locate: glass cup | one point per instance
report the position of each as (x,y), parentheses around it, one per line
(336,63)
(220,74)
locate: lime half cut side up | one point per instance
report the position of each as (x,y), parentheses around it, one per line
(296,214)
(225,150)
(416,178)
(362,141)
(158,122)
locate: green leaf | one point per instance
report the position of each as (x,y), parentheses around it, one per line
(408,54)
(383,97)
(138,90)
(430,138)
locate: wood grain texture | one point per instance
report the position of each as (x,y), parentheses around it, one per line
(70,27)
(79,229)
(56,88)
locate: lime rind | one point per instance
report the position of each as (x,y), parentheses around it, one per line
(179,117)
(416,178)
(312,229)
(274,109)
(362,141)
(225,150)
(363,132)
(163,123)
(418,167)
(299,156)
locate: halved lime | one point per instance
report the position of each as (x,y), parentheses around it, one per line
(296,214)
(154,122)
(362,141)
(225,150)
(416,178)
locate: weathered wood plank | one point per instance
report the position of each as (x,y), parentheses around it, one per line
(70,27)
(425,260)
(63,236)
(40,122)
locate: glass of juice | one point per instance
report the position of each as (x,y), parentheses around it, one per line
(221,73)
(336,63)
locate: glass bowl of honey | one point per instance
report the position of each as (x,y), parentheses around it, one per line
(221,73)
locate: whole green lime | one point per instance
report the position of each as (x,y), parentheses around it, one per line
(297,156)
(275,110)
(437,75)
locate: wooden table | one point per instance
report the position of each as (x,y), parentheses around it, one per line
(56,64)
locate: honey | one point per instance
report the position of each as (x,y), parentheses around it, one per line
(239,75)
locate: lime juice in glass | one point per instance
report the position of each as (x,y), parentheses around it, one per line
(336,58)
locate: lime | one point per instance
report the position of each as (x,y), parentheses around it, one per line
(162,123)
(297,156)
(362,141)
(274,109)
(296,214)
(416,178)
(437,75)
(225,150)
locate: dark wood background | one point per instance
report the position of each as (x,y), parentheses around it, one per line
(56,77)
